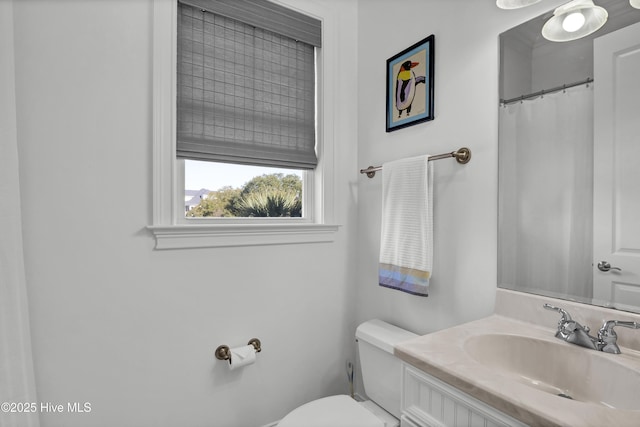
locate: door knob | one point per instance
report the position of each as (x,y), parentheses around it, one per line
(605,266)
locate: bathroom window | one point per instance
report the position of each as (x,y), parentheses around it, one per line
(246,97)
(249,91)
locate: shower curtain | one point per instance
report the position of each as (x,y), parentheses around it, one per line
(17,384)
(546,196)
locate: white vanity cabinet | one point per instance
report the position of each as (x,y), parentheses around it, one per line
(429,402)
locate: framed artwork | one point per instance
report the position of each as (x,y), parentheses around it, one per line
(410,85)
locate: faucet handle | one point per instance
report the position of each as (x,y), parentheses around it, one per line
(608,337)
(566,325)
(566,317)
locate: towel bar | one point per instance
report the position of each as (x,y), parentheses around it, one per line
(462,156)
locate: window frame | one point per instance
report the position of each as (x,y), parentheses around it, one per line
(168,225)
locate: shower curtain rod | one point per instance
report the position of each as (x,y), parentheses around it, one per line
(462,155)
(543,91)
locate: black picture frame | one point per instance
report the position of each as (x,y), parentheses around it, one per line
(410,77)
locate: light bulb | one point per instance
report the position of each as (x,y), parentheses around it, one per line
(573,22)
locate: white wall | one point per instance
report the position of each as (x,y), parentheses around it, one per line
(555,64)
(465,196)
(515,68)
(129,329)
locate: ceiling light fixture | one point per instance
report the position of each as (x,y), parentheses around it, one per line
(635,3)
(517,4)
(575,20)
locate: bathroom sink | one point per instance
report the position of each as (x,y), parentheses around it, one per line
(562,369)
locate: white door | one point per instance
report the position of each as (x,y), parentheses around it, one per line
(616,214)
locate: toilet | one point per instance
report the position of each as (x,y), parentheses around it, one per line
(381,377)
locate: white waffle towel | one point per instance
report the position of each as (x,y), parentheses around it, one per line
(406,240)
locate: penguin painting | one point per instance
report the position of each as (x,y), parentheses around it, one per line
(409,85)
(406,83)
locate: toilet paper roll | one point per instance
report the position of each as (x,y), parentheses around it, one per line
(242,356)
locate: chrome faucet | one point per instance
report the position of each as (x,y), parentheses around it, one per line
(572,332)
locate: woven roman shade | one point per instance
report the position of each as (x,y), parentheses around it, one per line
(245,94)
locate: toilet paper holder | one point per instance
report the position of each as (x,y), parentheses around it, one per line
(223,352)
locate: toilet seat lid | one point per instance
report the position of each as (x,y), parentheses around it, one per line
(339,410)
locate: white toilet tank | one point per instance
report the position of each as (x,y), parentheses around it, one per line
(381,370)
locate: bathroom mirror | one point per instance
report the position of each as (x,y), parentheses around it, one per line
(569,143)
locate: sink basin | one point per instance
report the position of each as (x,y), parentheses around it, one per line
(559,368)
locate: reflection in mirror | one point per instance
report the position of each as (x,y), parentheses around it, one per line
(568,182)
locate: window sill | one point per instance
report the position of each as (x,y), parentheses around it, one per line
(219,236)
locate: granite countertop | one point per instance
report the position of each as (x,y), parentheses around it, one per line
(442,355)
